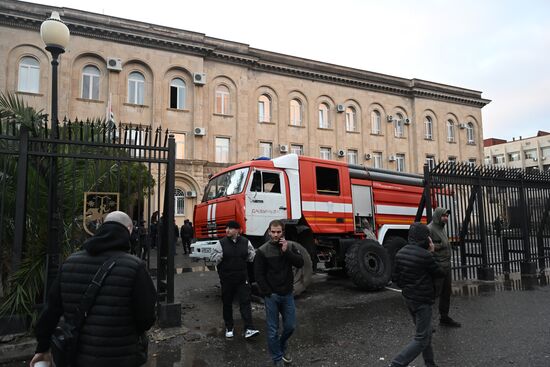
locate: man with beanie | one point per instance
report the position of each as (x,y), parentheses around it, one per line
(415,270)
(113,330)
(442,254)
(231,255)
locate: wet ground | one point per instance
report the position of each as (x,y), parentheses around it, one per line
(505,323)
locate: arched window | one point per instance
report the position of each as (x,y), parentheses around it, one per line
(296,112)
(470,133)
(177,94)
(136,88)
(323,116)
(222,100)
(90,82)
(399,125)
(179,201)
(428,128)
(376,122)
(351,119)
(29,75)
(450,131)
(264,108)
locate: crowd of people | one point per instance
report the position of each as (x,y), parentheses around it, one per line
(109,317)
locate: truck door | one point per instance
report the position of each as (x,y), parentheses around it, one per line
(265,200)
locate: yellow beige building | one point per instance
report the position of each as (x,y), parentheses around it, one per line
(227,102)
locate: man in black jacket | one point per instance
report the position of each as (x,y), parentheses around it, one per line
(275,278)
(415,270)
(231,255)
(113,332)
(186,236)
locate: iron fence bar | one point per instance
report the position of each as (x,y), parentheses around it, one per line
(169,214)
(21,199)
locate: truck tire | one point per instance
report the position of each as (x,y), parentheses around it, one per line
(302,276)
(393,245)
(368,265)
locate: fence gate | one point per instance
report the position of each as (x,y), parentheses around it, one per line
(55,192)
(499,222)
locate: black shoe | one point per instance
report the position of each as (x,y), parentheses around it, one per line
(287,358)
(447,321)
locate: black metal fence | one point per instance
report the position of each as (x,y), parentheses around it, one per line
(499,222)
(91,169)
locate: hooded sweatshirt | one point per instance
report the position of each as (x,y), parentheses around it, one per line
(438,233)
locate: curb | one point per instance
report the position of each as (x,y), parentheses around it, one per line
(21,349)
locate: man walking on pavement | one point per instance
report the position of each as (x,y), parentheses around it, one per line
(113,331)
(442,255)
(231,255)
(415,270)
(275,278)
(186,236)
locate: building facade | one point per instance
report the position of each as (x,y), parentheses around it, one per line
(226,102)
(532,153)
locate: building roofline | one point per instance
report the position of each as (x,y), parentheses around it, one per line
(27,15)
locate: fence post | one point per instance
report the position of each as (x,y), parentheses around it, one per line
(484,272)
(52,253)
(170,312)
(428,196)
(527,266)
(20,198)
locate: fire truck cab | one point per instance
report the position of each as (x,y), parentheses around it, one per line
(329,207)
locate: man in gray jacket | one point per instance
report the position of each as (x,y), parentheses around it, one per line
(442,255)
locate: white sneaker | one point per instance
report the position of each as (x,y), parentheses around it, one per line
(249,333)
(228,333)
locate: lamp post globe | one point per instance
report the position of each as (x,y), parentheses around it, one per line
(55,35)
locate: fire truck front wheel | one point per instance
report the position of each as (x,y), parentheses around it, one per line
(302,276)
(368,265)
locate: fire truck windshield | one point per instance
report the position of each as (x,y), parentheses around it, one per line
(229,183)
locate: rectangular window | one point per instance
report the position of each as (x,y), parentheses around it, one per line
(222,150)
(352,156)
(325,153)
(545,153)
(266,149)
(400,162)
(498,159)
(222,102)
(261,111)
(328,181)
(531,154)
(472,162)
(29,78)
(377,160)
(297,149)
(430,161)
(514,156)
(452,160)
(180,146)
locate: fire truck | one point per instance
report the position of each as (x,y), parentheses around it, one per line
(326,206)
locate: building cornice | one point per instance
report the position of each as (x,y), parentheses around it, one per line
(18,14)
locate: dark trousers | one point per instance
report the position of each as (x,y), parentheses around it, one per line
(444,290)
(276,304)
(422,343)
(242,291)
(186,242)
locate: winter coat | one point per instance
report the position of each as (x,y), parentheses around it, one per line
(273,267)
(415,267)
(124,307)
(438,233)
(233,267)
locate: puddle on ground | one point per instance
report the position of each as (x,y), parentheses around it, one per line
(505,282)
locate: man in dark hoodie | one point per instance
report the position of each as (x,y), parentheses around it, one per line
(415,270)
(442,254)
(275,277)
(113,331)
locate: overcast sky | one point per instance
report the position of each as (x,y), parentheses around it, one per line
(499,47)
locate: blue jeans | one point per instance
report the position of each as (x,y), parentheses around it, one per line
(422,342)
(275,305)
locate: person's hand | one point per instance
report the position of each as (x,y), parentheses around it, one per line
(431,246)
(284,244)
(46,357)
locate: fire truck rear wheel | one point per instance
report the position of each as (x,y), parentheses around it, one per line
(302,276)
(368,265)
(393,245)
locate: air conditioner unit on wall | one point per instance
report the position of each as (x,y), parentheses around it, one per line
(199,131)
(283,148)
(199,78)
(367,156)
(114,63)
(391,158)
(407,121)
(340,108)
(390,118)
(341,153)
(462,125)
(191,194)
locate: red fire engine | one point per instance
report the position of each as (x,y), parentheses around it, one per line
(327,206)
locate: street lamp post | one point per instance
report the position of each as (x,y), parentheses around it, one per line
(55,35)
